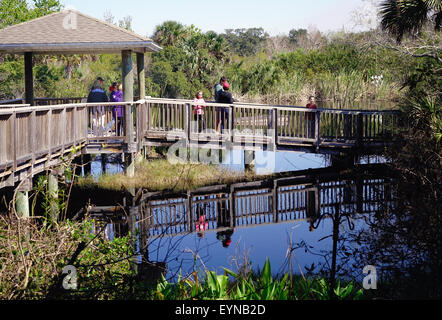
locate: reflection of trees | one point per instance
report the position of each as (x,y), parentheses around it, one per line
(404,243)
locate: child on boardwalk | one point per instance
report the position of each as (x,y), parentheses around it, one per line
(199,105)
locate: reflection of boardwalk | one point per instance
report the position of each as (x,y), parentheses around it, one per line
(305,197)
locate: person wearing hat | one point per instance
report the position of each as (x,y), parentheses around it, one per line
(97,95)
(225,97)
(219,88)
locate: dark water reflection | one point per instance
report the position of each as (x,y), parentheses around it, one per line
(303,222)
(324,219)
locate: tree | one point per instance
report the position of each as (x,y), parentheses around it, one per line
(246,42)
(169,33)
(401,17)
(296,35)
(18,11)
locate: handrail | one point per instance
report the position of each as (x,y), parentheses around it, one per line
(271,107)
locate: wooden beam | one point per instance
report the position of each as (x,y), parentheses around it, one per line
(128,75)
(141,76)
(29,79)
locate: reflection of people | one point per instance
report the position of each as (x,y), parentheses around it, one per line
(223,221)
(310,118)
(225,237)
(202,224)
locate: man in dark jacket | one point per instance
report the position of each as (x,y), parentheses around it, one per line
(225,97)
(97,95)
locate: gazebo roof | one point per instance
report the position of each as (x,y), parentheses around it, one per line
(70,31)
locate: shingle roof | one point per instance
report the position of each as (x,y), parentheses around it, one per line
(71,31)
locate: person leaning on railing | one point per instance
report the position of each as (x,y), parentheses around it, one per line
(97,95)
(225,97)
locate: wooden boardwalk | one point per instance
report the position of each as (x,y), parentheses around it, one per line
(35,138)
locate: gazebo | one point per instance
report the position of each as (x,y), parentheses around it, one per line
(72,32)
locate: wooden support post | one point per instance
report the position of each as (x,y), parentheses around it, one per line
(29,79)
(22,204)
(22,199)
(128,95)
(129,164)
(132,224)
(141,76)
(86,162)
(53,198)
(249,160)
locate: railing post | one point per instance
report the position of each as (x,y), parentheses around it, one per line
(33,137)
(232,207)
(14,141)
(232,122)
(359,130)
(274,119)
(318,129)
(63,130)
(275,201)
(189,212)
(148,115)
(49,135)
(187,124)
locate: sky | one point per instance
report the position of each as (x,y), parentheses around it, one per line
(274,16)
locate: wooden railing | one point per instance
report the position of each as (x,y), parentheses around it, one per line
(34,134)
(33,138)
(268,125)
(57,101)
(45,101)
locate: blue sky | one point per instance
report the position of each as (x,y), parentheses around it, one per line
(275,16)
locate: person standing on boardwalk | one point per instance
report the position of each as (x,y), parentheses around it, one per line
(219,88)
(310,118)
(198,104)
(97,95)
(225,97)
(117,111)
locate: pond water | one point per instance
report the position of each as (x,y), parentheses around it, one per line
(243,225)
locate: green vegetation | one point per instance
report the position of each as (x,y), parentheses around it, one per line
(254,287)
(32,259)
(162,175)
(283,70)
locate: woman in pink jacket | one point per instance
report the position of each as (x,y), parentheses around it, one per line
(199,105)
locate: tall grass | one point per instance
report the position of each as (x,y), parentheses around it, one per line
(161,175)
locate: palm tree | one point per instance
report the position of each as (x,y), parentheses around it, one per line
(169,33)
(400,17)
